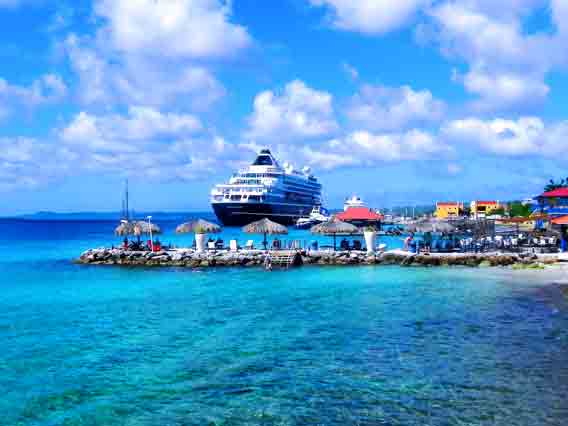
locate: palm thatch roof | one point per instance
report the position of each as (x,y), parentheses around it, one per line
(265,226)
(136,228)
(333,227)
(198,226)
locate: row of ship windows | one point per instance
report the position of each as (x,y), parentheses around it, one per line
(256,175)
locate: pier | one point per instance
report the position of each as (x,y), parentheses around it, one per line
(186,258)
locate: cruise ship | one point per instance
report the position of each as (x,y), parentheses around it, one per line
(266,189)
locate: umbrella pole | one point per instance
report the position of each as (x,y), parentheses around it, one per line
(334,245)
(265,242)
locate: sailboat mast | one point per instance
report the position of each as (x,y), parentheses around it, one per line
(127,206)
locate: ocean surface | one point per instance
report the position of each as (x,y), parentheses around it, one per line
(88,345)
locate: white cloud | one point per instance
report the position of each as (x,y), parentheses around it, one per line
(115,133)
(299,112)
(173,28)
(367,149)
(504,89)
(525,136)
(370,16)
(47,89)
(507,64)
(131,80)
(28,162)
(146,143)
(385,108)
(155,52)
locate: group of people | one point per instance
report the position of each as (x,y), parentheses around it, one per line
(427,243)
(344,244)
(138,245)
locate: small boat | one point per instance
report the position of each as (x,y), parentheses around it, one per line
(317,215)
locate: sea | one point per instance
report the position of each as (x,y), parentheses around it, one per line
(376,345)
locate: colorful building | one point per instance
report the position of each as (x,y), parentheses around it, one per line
(553,203)
(445,210)
(483,208)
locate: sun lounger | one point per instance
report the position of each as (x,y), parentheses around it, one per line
(211,246)
(233,245)
(249,245)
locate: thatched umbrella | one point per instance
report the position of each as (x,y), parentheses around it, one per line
(198,226)
(136,228)
(334,227)
(266,227)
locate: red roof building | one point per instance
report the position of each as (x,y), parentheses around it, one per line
(562,220)
(560,192)
(360,215)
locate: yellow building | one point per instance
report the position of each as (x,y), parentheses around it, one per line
(446,210)
(483,208)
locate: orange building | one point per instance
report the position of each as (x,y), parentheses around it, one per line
(483,208)
(446,210)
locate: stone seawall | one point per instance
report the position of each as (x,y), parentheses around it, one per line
(191,259)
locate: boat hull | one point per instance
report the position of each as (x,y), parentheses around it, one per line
(240,214)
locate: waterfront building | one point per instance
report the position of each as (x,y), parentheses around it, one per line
(481,209)
(553,203)
(360,216)
(452,209)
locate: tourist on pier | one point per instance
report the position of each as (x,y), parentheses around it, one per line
(427,242)
(408,241)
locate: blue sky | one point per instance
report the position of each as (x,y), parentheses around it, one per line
(403,102)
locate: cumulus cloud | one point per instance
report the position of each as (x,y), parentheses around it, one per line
(173,28)
(506,89)
(29,162)
(522,137)
(147,143)
(372,148)
(47,89)
(115,133)
(298,112)
(370,16)
(507,65)
(155,52)
(386,108)
(127,80)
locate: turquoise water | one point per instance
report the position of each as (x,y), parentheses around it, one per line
(86,345)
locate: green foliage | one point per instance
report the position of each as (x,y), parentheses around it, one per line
(552,185)
(519,210)
(499,211)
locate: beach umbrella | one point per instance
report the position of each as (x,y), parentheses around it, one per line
(334,227)
(198,226)
(266,227)
(136,228)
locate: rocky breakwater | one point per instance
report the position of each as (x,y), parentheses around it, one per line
(191,259)
(175,258)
